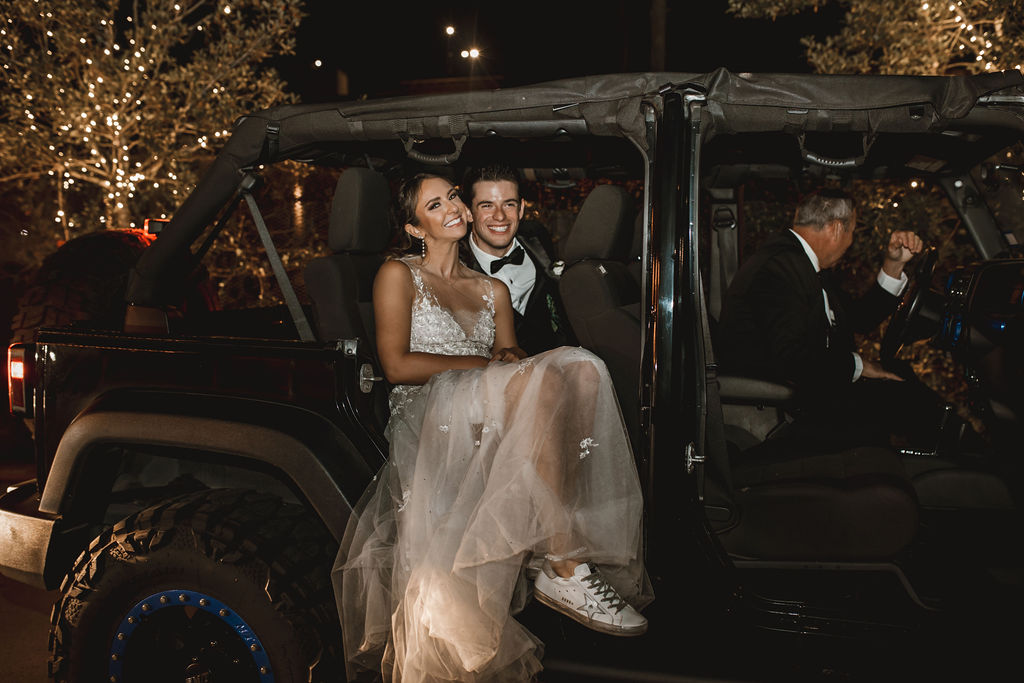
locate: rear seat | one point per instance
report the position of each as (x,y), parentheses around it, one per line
(341,285)
(600,296)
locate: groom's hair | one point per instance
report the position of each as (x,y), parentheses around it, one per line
(492,173)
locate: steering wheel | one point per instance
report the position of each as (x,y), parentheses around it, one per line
(903,318)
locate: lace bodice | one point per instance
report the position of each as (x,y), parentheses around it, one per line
(437,329)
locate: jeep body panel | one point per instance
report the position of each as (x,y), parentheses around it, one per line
(283,407)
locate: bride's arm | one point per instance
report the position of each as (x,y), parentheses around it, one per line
(393,294)
(506,348)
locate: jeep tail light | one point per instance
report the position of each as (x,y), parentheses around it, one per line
(19,375)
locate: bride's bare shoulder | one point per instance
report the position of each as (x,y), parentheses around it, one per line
(394,273)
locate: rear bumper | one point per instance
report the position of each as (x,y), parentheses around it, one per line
(25,536)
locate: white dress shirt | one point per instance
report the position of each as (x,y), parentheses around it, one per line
(519,279)
(890,284)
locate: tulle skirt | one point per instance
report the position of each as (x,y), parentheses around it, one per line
(489,470)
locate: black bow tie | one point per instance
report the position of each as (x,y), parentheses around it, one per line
(515,258)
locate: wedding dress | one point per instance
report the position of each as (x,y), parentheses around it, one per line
(488,469)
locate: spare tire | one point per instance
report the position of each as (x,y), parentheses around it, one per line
(84,279)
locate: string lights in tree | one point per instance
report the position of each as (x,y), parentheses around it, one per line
(923,37)
(113,105)
(976,41)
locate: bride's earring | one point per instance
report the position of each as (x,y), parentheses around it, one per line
(423,247)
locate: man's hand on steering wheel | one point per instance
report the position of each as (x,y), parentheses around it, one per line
(903,245)
(903,318)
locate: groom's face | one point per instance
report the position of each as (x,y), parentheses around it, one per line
(497,210)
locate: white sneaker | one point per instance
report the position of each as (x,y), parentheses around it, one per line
(589,599)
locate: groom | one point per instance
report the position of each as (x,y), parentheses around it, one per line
(520,258)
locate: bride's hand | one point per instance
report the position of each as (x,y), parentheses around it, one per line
(509,355)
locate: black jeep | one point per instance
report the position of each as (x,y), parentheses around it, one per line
(196,472)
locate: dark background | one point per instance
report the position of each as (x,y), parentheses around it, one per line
(381,45)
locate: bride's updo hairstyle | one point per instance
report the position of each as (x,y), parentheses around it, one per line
(403,210)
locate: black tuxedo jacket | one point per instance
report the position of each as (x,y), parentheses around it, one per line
(544,325)
(773,322)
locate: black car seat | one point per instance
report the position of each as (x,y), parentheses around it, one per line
(600,295)
(341,285)
(854,505)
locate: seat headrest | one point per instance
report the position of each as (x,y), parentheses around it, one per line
(360,212)
(603,227)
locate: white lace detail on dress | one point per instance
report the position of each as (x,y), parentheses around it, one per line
(435,330)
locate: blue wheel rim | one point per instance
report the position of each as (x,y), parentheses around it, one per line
(152,604)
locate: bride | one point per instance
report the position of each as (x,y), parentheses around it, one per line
(497,461)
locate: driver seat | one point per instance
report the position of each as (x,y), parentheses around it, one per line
(854,505)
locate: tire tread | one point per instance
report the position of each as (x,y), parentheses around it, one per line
(288,543)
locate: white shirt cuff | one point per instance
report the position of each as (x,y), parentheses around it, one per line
(858,364)
(892,285)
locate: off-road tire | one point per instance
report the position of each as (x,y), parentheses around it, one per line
(84,279)
(267,561)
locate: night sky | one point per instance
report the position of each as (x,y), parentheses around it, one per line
(380,44)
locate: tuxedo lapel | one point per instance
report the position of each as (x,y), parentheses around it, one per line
(537,253)
(469,258)
(827,279)
(815,283)
(538,284)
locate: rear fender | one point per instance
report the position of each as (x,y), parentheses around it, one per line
(313,453)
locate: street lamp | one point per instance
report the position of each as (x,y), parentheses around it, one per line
(449,31)
(472,54)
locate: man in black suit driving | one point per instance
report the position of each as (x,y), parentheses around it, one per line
(784,320)
(503,247)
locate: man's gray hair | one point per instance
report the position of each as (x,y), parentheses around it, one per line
(822,207)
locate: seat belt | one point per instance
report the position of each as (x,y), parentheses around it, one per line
(715,450)
(533,245)
(724,248)
(249,183)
